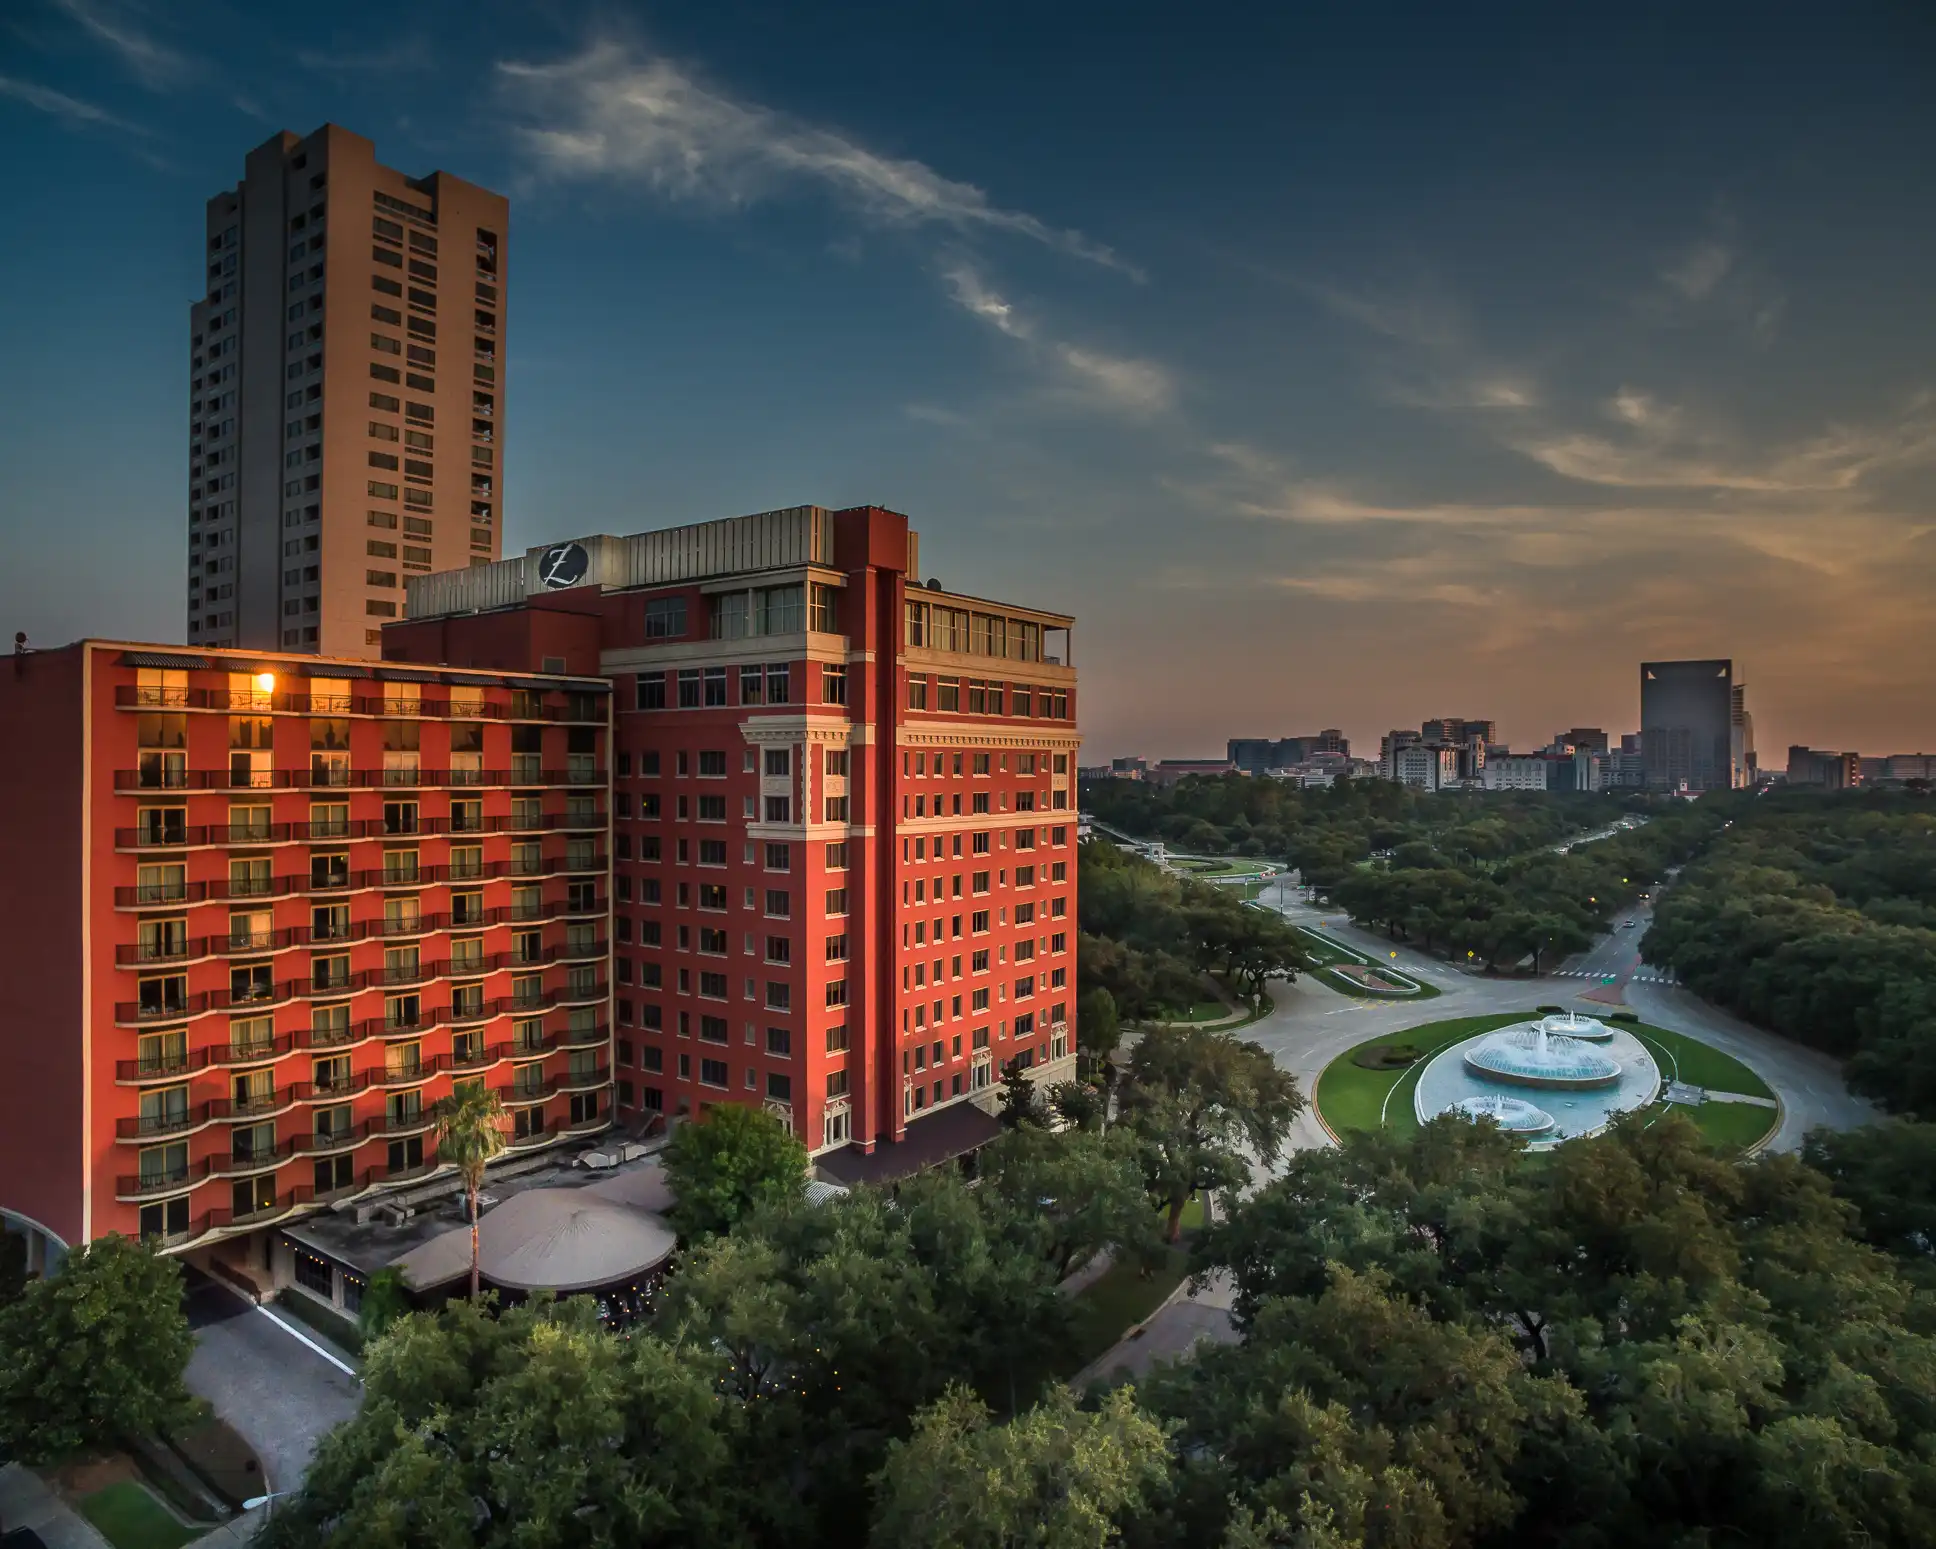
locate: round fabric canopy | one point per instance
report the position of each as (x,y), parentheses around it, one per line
(548,1240)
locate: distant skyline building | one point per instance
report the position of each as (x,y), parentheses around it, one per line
(1260,755)
(1687,724)
(1741,748)
(347,378)
(1584,739)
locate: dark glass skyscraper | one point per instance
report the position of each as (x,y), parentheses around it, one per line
(1687,724)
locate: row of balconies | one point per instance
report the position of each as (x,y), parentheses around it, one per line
(184,1007)
(189,949)
(254,701)
(165,833)
(342,880)
(303,1196)
(143,1129)
(162,776)
(190,1174)
(310,1041)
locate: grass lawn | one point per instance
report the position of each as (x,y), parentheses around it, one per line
(1732,1124)
(1698,1064)
(130,1518)
(1352,1097)
(1123,1297)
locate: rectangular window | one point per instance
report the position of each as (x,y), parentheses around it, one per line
(917,693)
(833,684)
(836,856)
(836,900)
(688,688)
(837,1039)
(712,1073)
(652,691)
(665,618)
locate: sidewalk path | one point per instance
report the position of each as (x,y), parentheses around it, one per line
(27,1500)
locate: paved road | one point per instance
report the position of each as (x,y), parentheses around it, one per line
(281,1396)
(1313,1024)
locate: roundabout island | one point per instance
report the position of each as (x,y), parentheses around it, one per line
(1547,1076)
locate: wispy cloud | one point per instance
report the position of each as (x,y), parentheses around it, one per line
(154,64)
(70,110)
(1119,382)
(1416,316)
(1662,447)
(1715,276)
(1695,273)
(615,112)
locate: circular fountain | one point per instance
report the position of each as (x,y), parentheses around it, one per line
(1514,1115)
(1531,1056)
(1570,1024)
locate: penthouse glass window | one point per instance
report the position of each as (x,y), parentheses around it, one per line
(665,618)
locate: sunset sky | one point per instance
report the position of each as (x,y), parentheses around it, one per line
(1337,366)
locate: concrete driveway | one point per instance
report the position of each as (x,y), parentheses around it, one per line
(279,1394)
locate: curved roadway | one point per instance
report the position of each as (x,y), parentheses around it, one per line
(1313,1024)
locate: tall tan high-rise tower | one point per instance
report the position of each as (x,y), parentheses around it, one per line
(347,382)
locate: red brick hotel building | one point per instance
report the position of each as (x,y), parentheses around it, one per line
(627,826)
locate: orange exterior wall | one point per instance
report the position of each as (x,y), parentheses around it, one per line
(44,1133)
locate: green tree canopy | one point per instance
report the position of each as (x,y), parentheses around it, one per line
(728,1163)
(93,1353)
(1202,1105)
(1052,1478)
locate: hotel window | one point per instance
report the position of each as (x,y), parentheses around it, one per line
(823,608)
(715,686)
(917,693)
(688,688)
(833,684)
(750,679)
(652,691)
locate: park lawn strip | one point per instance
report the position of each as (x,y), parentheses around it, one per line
(1122,1296)
(1700,1064)
(1733,1124)
(130,1518)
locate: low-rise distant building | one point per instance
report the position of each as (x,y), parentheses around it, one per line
(1266,755)
(1422,767)
(1170,770)
(1516,772)
(1833,771)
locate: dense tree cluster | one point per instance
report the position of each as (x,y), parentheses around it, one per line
(1816,916)
(94,1354)
(1149,937)
(1540,905)
(1636,1343)
(1325,833)
(785,1360)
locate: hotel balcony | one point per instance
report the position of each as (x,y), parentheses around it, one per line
(156,1126)
(328,1142)
(585,1080)
(392,1126)
(523,1094)
(147,1185)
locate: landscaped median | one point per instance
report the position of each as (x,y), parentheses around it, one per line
(1351,972)
(1372,1086)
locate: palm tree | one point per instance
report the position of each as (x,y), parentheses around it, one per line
(469,1137)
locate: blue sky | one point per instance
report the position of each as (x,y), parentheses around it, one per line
(1336,366)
